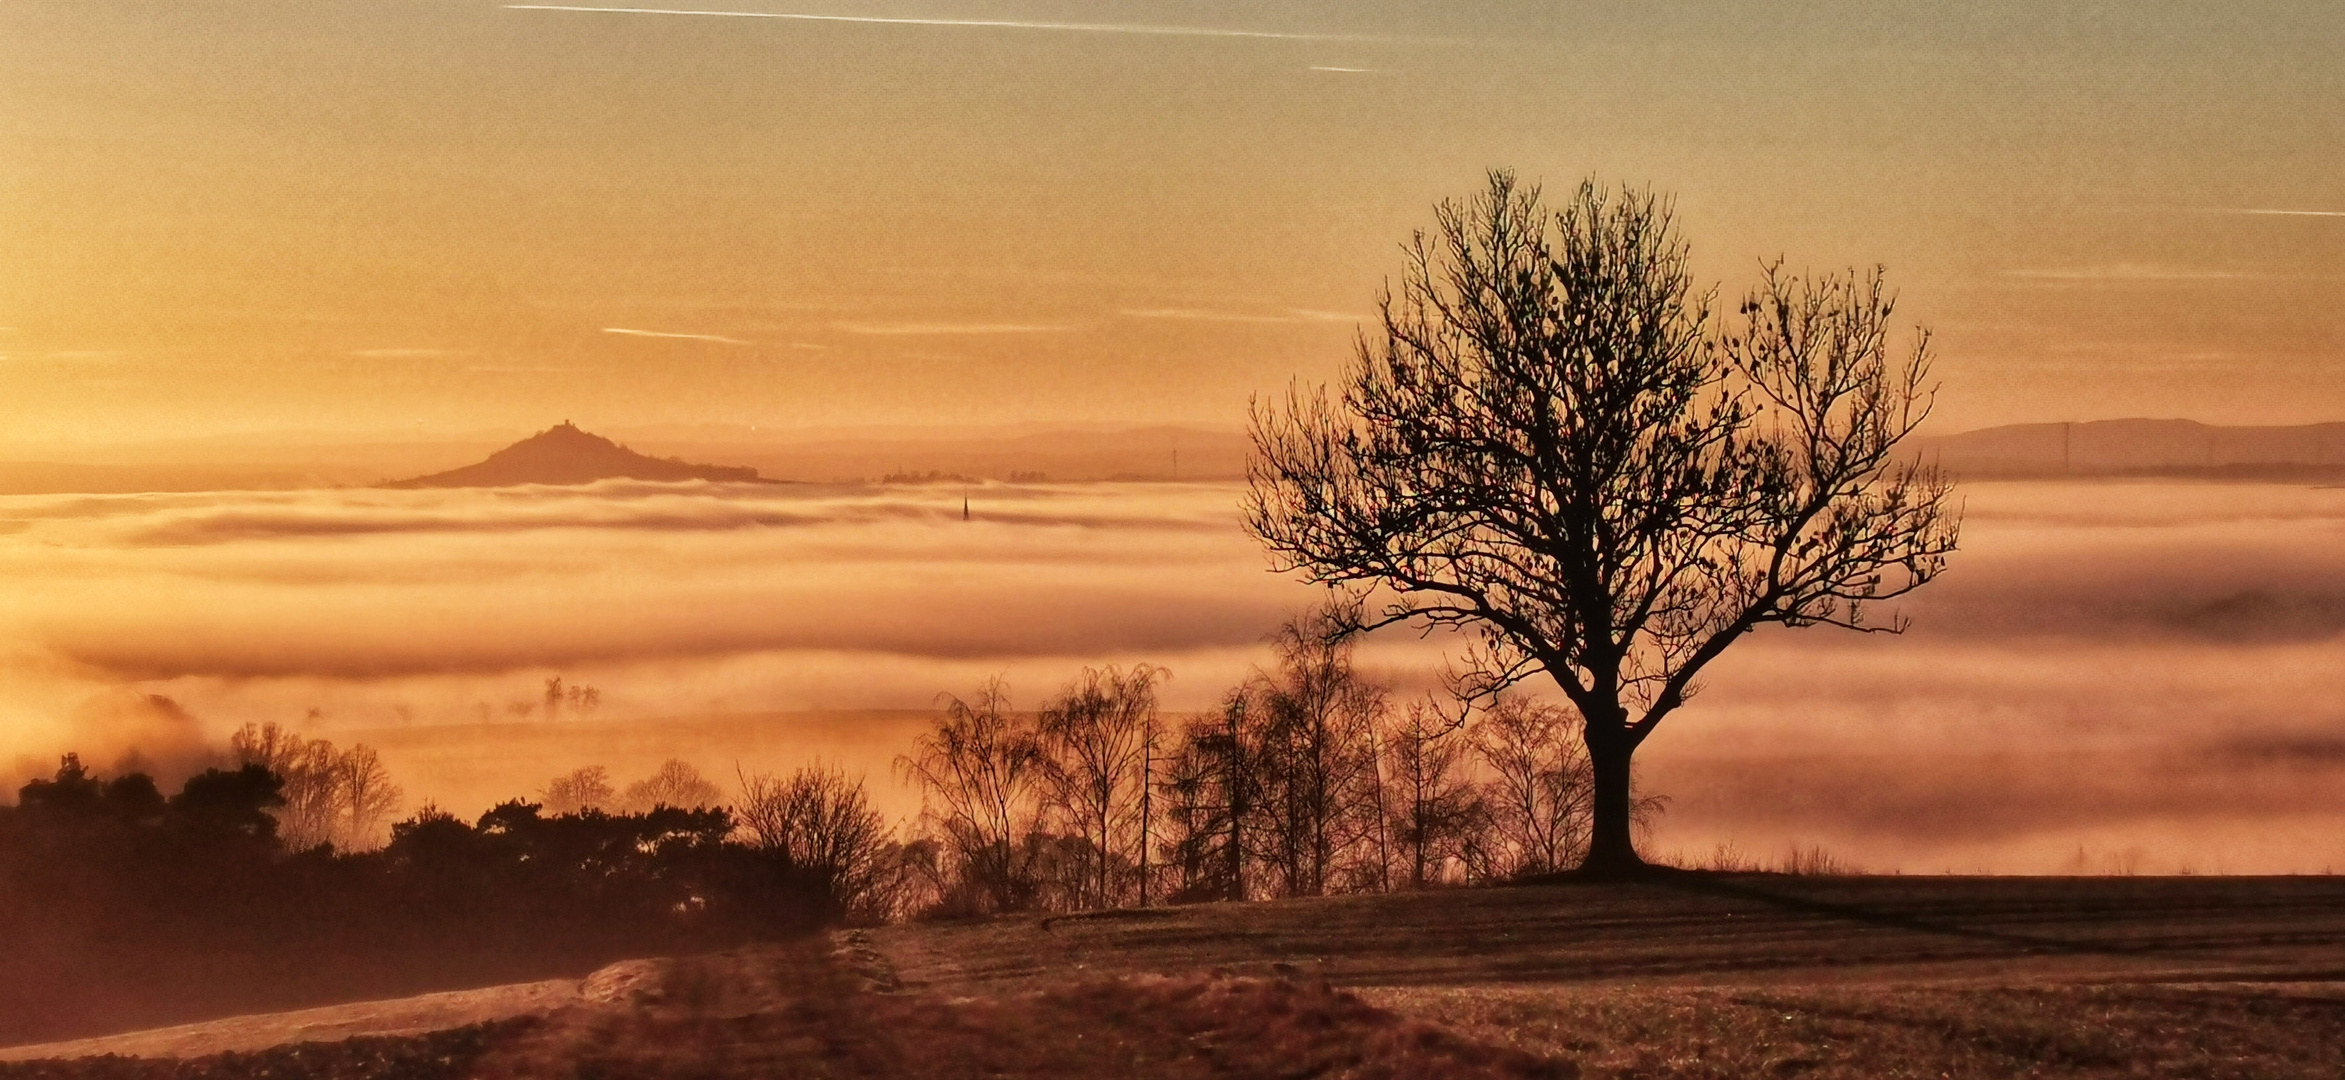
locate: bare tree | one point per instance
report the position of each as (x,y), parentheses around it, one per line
(981,767)
(1540,790)
(1099,741)
(1549,445)
(338,797)
(366,800)
(1314,812)
(1192,816)
(677,784)
(1435,810)
(585,788)
(819,821)
(306,819)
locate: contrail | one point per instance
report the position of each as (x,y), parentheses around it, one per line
(997,24)
(2292,213)
(682,337)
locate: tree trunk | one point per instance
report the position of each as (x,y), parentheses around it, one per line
(1612,850)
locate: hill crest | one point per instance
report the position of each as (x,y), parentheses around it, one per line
(564,454)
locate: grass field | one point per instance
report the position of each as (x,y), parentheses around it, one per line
(1693,977)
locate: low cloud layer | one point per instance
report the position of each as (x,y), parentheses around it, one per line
(369,584)
(2116,673)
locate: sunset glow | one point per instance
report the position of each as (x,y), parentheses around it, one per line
(292,251)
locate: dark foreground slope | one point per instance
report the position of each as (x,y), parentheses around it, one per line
(565,455)
(1705,977)
(1694,929)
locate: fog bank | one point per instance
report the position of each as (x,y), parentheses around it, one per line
(2122,675)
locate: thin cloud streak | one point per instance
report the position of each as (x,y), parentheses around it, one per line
(941,329)
(1292,315)
(2129,272)
(2286,213)
(989,24)
(624,332)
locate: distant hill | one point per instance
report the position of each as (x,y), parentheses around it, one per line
(563,454)
(2143,448)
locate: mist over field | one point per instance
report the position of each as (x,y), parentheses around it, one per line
(2114,677)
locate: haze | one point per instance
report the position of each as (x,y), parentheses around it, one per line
(2120,675)
(248,244)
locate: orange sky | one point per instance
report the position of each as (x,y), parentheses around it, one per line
(239,215)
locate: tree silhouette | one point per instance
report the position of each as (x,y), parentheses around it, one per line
(585,788)
(1314,799)
(338,797)
(1099,741)
(1436,813)
(1550,446)
(366,797)
(676,783)
(230,806)
(820,823)
(1539,787)
(981,768)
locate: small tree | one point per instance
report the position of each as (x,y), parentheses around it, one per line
(1549,445)
(675,784)
(305,819)
(981,767)
(330,796)
(586,788)
(1099,741)
(1539,791)
(1436,813)
(819,822)
(1313,793)
(366,798)
(1194,828)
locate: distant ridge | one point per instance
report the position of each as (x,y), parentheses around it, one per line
(563,454)
(2141,447)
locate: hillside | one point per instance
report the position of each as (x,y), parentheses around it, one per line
(1695,977)
(563,454)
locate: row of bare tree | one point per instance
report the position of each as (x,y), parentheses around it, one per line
(817,823)
(331,796)
(675,783)
(1306,781)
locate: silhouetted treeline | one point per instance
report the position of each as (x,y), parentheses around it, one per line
(1306,781)
(123,907)
(280,882)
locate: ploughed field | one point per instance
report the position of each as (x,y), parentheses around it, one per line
(1694,976)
